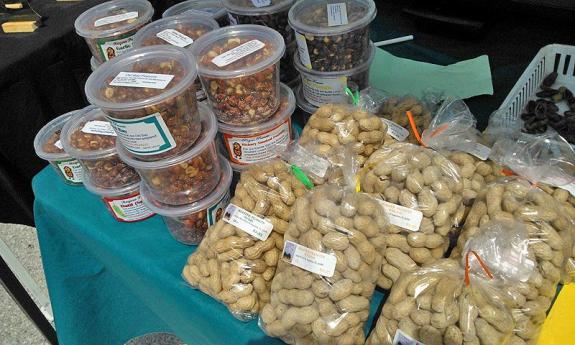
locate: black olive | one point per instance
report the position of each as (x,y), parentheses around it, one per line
(547,93)
(549,79)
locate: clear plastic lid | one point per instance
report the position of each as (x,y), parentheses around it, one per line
(48,133)
(113,18)
(192,26)
(207,137)
(350,72)
(81,122)
(302,103)
(183,210)
(311,16)
(164,63)
(94,64)
(213,8)
(257,7)
(110,192)
(238,50)
(286,109)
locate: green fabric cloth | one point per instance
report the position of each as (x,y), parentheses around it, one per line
(111,281)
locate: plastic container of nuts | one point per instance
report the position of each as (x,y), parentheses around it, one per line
(90,139)
(320,88)
(49,147)
(239,70)
(260,142)
(212,8)
(270,13)
(124,204)
(149,97)
(187,177)
(109,28)
(188,223)
(332,36)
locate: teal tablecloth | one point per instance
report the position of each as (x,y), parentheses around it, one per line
(110,281)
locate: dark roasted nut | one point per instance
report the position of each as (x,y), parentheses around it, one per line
(549,79)
(274,16)
(527,116)
(49,146)
(547,93)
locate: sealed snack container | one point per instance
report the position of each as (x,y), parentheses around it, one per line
(256,143)
(187,177)
(124,204)
(270,13)
(320,88)
(188,223)
(239,70)
(109,27)
(49,147)
(149,97)
(332,36)
(212,8)
(90,139)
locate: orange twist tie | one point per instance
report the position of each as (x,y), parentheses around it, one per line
(481,263)
(414,128)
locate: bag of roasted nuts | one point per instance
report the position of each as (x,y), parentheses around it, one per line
(422,194)
(328,269)
(444,304)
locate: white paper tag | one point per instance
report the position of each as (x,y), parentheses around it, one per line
(322,91)
(99,127)
(261,3)
(396,131)
(58,144)
(202,11)
(401,338)
(303,52)
(480,151)
(336,14)
(308,161)
(401,216)
(232,19)
(116,18)
(246,221)
(139,79)
(309,259)
(175,38)
(145,135)
(238,52)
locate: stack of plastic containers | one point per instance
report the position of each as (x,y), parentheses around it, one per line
(334,50)
(238,67)
(149,98)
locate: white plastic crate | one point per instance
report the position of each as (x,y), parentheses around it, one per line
(553,57)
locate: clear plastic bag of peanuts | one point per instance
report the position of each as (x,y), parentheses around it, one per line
(444,304)
(550,244)
(236,260)
(327,274)
(421,191)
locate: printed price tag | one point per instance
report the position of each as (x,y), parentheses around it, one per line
(248,222)
(308,161)
(238,52)
(261,3)
(309,259)
(396,131)
(303,50)
(175,38)
(138,79)
(58,144)
(476,149)
(115,19)
(147,135)
(403,339)
(99,127)
(401,216)
(336,14)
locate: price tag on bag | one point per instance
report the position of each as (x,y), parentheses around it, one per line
(308,259)
(248,222)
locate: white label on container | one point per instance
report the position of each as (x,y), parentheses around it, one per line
(99,127)
(261,3)
(238,52)
(115,18)
(232,19)
(128,209)
(396,131)
(58,144)
(145,135)
(309,259)
(175,38)
(140,79)
(247,149)
(216,211)
(111,48)
(248,222)
(202,11)
(71,170)
(480,151)
(401,216)
(322,91)
(303,52)
(336,14)
(308,161)
(401,338)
